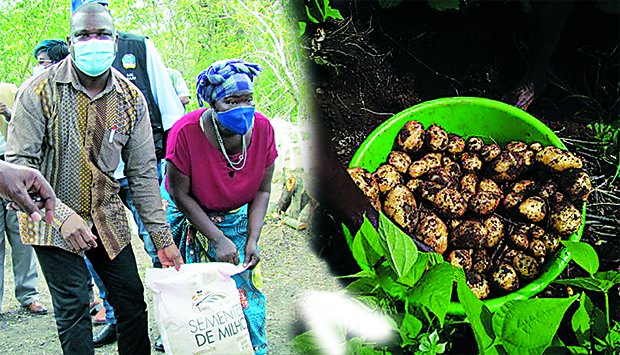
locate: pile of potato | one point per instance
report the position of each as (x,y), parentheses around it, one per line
(497,212)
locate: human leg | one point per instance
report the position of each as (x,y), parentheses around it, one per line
(126,294)
(67,277)
(109,310)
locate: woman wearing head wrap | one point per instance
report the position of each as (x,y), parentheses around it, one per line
(220,165)
(48,52)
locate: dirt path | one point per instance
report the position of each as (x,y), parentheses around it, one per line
(289,268)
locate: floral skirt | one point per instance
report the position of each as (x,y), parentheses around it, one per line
(195,248)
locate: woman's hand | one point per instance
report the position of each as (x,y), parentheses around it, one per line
(225,250)
(251,255)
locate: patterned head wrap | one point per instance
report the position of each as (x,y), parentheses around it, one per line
(56,45)
(223,78)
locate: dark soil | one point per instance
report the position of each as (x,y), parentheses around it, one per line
(378,62)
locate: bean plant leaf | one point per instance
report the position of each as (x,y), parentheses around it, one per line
(305,343)
(528,326)
(366,246)
(362,286)
(423,262)
(479,319)
(348,236)
(434,290)
(409,330)
(583,254)
(613,338)
(387,280)
(581,322)
(600,282)
(399,248)
(330,12)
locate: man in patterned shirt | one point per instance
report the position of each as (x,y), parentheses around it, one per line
(73,123)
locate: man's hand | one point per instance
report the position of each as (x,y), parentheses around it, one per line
(170,256)
(77,233)
(251,255)
(5,111)
(16,182)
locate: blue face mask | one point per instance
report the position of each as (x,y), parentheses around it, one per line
(238,120)
(38,69)
(94,57)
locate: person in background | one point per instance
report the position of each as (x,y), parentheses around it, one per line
(24,263)
(180,86)
(220,164)
(139,61)
(547,20)
(49,52)
(100,116)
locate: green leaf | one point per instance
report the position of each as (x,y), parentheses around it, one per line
(409,329)
(310,17)
(400,249)
(422,263)
(366,246)
(583,254)
(387,280)
(474,309)
(613,338)
(305,343)
(528,326)
(581,323)
(300,32)
(362,286)
(347,233)
(600,282)
(434,290)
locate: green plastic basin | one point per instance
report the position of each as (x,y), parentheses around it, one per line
(492,120)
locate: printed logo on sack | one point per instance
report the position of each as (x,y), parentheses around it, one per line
(205,301)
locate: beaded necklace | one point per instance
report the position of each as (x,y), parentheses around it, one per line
(242,157)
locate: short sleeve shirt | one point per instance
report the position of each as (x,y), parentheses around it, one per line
(214,184)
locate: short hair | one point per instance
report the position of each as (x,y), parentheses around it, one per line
(56,49)
(90,8)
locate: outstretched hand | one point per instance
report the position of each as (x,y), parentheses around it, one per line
(18,183)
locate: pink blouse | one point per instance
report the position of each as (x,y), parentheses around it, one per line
(214,184)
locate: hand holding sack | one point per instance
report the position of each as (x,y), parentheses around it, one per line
(198,309)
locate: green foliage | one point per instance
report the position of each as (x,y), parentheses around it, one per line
(430,345)
(189,35)
(434,290)
(522,327)
(398,246)
(319,11)
(416,289)
(583,254)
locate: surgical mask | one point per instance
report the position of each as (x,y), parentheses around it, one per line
(238,120)
(38,69)
(94,57)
